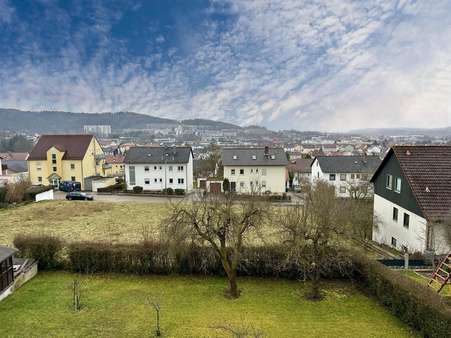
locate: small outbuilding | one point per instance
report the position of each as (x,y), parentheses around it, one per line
(6,269)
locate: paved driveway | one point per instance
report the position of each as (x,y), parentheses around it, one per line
(59,195)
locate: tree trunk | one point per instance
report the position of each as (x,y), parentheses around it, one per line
(233,285)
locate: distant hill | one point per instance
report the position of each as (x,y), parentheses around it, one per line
(67,122)
(432,132)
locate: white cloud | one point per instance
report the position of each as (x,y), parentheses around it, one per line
(287,64)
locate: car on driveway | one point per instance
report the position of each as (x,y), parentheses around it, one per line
(79,196)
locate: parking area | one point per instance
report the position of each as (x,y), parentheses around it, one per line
(59,195)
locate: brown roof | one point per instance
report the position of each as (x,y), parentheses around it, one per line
(427,169)
(74,146)
(302,165)
(14,156)
(113,159)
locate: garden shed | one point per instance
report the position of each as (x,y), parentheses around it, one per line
(6,269)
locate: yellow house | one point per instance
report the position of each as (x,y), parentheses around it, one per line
(57,158)
(114,165)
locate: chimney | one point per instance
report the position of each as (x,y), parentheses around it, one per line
(266,151)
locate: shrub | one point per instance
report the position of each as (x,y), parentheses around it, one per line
(179,191)
(15,192)
(168,191)
(415,304)
(45,249)
(120,186)
(32,191)
(137,189)
(226,185)
(2,194)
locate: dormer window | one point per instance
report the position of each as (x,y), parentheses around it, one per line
(254,157)
(235,157)
(273,157)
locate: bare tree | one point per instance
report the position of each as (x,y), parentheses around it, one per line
(314,226)
(220,221)
(157,307)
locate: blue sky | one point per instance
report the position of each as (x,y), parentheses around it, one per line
(323,65)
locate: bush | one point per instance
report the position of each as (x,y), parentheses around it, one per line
(179,191)
(168,191)
(137,189)
(45,249)
(15,192)
(415,304)
(226,185)
(2,194)
(32,191)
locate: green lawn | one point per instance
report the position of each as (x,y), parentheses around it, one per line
(116,306)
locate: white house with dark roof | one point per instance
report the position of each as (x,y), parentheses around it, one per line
(158,168)
(349,174)
(255,170)
(412,199)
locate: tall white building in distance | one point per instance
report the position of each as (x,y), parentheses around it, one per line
(98,130)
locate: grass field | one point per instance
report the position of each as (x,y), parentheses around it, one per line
(117,306)
(94,221)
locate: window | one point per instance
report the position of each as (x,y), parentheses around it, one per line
(53,156)
(393,241)
(155,180)
(331,177)
(161,180)
(146,168)
(395,214)
(357,176)
(161,167)
(352,176)
(180,168)
(242,184)
(263,171)
(131,174)
(241,171)
(72,178)
(53,161)
(155,168)
(342,190)
(317,175)
(398,184)
(406,220)
(171,180)
(72,166)
(365,177)
(263,184)
(256,170)
(342,177)
(181,181)
(147,181)
(54,169)
(254,157)
(170,168)
(39,179)
(232,171)
(38,168)
(252,170)
(388,182)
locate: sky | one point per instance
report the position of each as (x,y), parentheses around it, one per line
(332,65)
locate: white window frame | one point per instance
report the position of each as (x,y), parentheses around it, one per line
(389,182)
(398,188)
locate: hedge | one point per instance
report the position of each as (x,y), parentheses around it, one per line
(413,303)
(45,249)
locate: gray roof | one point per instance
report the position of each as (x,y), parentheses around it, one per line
(349,164)
(157,155)
(16,165)
(244,156)
(5,252)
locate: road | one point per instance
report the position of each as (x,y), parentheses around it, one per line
(59,195)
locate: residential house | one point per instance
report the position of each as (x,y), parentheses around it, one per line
(158,168)
(412,199)
(300,171)
(13,167)
(57,158)
(114,165)
(251,170)
(349,174)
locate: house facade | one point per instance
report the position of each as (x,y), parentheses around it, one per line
(349,175)
(300,171)
(255,170)
(57,158)
(114,165)
(158,168)
(412,199)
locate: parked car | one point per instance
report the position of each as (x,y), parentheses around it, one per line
(79,196)
(69,186)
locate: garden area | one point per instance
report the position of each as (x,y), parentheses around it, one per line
(115,305)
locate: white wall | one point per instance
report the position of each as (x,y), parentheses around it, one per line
(44,196)
(264,178)
(163,172)
(318,174)
(414,237)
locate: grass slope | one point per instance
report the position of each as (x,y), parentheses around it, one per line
(116,306)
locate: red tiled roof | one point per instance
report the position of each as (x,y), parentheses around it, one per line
(74,146)
(301,165)
(428,171)
(112,159)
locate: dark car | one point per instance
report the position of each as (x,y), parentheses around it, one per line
(79,196)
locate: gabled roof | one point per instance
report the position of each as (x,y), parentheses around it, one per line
(302,165)
(427,169)
(157,155)
(114,159)
(73,146)
(5,252)
(12,156)
(254,156)
(348,164)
